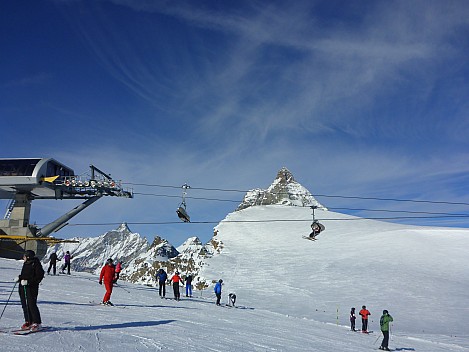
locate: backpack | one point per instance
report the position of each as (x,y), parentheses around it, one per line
(38,271)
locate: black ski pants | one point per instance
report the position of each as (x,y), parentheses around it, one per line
(28,296)
(364,324)
(162,288)
(53,266)
(385,339)
(177,295)
(218,298)
(66,266)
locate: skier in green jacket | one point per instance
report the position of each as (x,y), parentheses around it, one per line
(384,321)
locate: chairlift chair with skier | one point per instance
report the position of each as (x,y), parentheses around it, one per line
(316,227)
(181,210)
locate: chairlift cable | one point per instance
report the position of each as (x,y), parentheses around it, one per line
(272,220)
(315,195)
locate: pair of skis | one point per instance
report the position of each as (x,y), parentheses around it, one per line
(310,238)
(16,331)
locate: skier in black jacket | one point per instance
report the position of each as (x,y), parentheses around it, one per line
(31,275)
(53,263)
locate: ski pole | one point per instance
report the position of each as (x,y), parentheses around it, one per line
(27,304)
(374,343)
(8,300)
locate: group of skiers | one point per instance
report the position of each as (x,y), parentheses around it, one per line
(53,258)
(32,274)
(161,277)
(384,321)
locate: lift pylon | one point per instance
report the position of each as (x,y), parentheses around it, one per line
(24,180)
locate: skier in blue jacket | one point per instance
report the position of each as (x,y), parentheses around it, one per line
(217,290)
(161,276)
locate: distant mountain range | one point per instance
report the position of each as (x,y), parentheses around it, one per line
(141,260)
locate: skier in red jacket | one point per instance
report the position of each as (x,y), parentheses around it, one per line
(176,279)
(364,314)
(108,276)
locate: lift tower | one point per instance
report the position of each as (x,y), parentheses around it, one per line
(24,180)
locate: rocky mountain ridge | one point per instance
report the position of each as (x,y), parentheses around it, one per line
(284,191)
(141,260)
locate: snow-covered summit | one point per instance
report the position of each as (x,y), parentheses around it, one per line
(284,190)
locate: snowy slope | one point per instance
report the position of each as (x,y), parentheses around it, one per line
(142,322)
(419,274)
(294,294)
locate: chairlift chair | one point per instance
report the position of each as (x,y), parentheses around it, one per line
(316,226)
(181,210)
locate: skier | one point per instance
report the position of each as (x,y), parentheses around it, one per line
(118,270)
(217,290)
(176,279)
(316,229)
(31,275)
(188,285)
(66,265)
(161,277)
(364,313)
(384,321)
(352,319)
(108,276)
(53,263)
(232,298)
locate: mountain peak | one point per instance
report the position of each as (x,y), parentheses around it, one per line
(284,190)
(123,228)
(285,176)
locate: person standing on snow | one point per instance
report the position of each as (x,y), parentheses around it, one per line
(108,276)
(352,319)
(161,277)
(176,279)
(31,275)
(118,269)
(188,285)
(217,290)
(53,263)
(67,259)
(384,321)
(364,313)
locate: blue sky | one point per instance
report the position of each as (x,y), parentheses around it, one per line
(362,98)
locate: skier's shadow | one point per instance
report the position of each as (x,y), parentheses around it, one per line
(404,349)
(133,324)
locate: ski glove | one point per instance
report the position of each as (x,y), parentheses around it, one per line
(17,279)
(100,282)
(24,282)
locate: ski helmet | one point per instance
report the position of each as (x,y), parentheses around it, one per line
(109,261)
(220,281)
(385,311)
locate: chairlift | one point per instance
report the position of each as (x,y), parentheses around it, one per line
(181,210)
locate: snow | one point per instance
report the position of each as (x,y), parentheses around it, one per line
(293,294)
